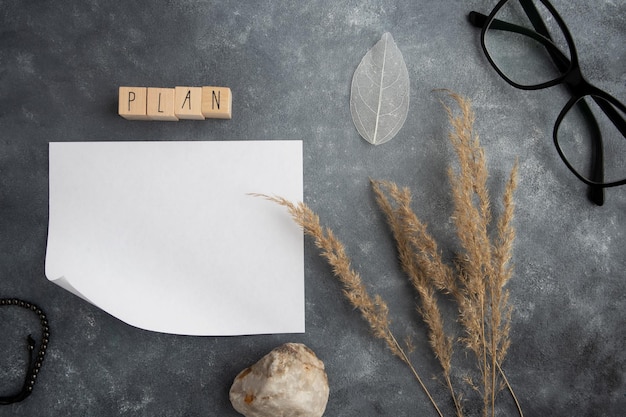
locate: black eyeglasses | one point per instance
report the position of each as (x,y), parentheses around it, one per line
(529,45)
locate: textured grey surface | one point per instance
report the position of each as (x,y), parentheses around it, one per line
(289,65)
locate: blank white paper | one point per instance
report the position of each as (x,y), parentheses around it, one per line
(165,236)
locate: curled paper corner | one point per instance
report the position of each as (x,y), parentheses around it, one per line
(67,286)
(379,96)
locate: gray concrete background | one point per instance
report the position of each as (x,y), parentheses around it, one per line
(289,65)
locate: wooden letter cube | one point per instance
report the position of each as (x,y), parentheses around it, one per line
(217,103)
(132,103)
(161,104)
(189,103)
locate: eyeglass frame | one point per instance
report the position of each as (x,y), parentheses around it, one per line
(571,76)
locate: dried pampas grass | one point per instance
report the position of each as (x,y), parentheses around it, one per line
(476,282)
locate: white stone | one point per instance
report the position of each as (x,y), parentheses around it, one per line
(290,381)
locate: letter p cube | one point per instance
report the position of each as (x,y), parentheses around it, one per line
(132,103)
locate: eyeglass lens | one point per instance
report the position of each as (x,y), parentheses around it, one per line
(522,50)
(578,136)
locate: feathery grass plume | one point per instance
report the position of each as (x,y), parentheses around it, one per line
(415,235)
(484,267)
(471,217)
(374,310)
(422,263)
(481,271)
(476,282)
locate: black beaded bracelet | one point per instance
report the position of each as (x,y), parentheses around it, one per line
(34,361)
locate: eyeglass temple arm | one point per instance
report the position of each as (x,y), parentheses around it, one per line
(535,18)
(25,391)
(594,193)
